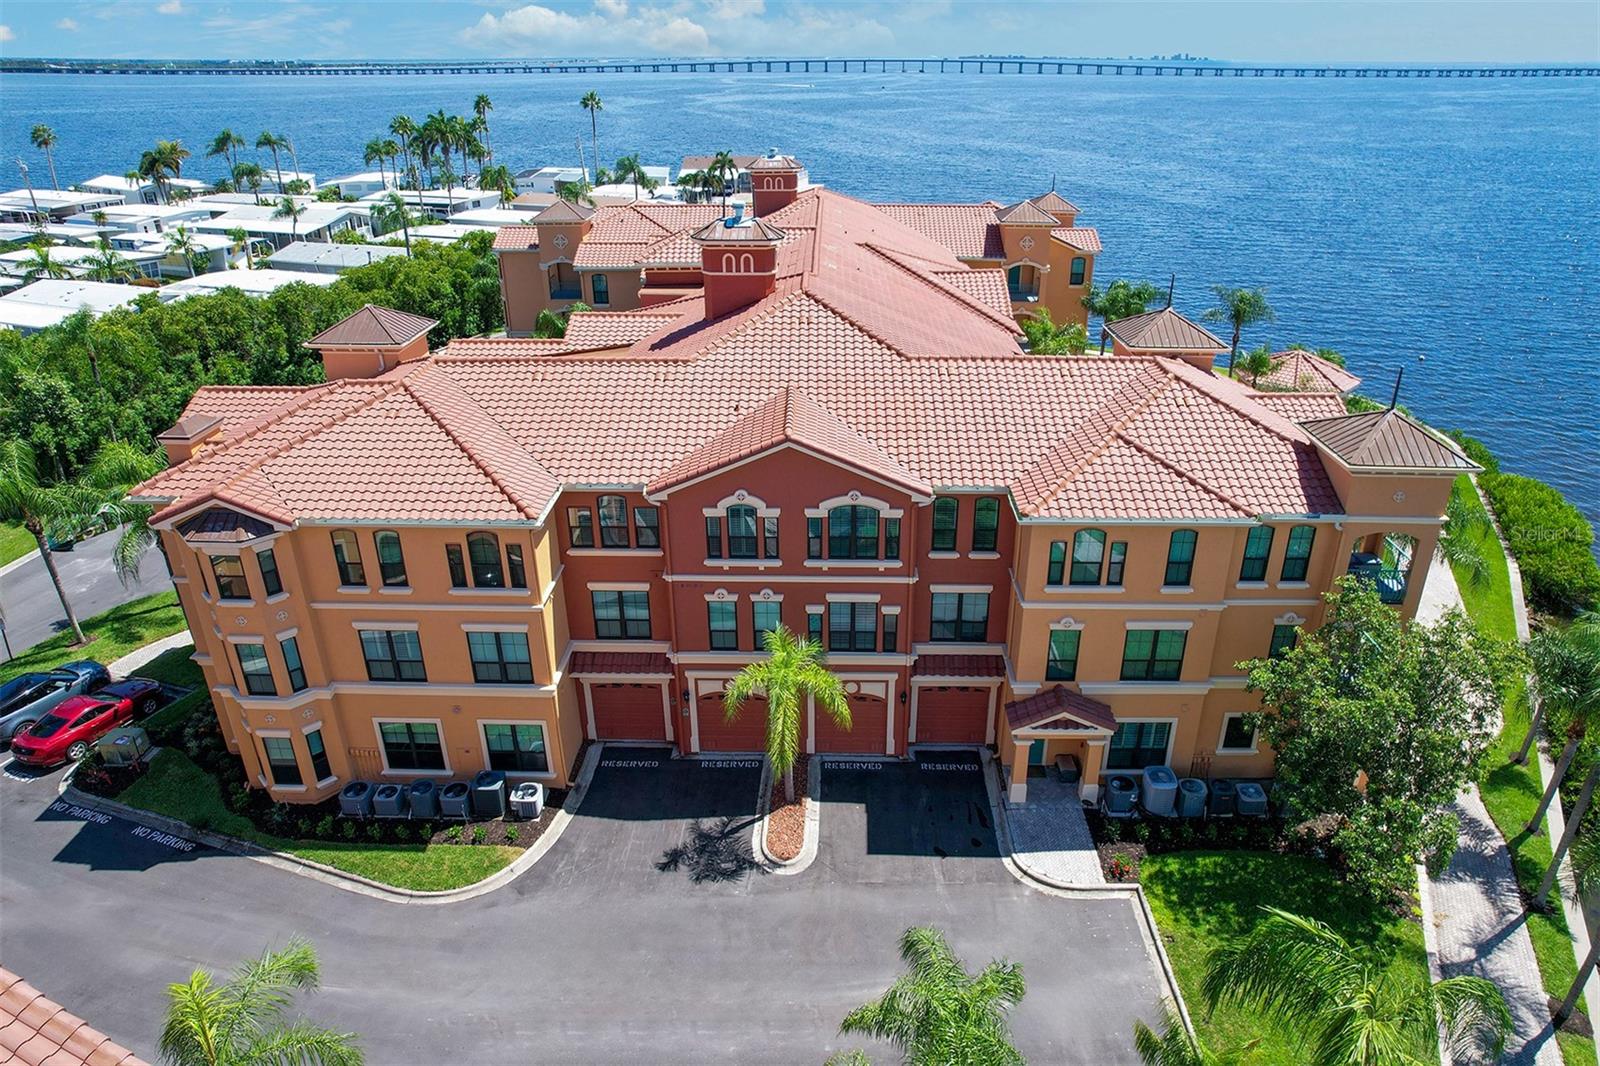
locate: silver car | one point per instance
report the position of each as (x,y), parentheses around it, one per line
(27,698)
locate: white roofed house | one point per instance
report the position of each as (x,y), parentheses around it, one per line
(366,183)
(141,217)
(317,257)
(29,205)
(442,204)
(17,263)
(251,282)
(142,190)
(319,221)
(52,300)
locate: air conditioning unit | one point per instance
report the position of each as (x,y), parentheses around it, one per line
(355,799)
(1223,795)
(123,747)
(1191,797)
(527,800)
(389,801)
(1252,799)
(424,798)
(1120,793)
(1160,790)
(489,794)
(455,801)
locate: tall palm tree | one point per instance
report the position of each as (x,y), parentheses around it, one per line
(181,242)
(152,170)
(273,142)
(1175,1047)
(498,176)
(373,153)
(940,1015)
(1586,635)
(404,128)
(630,169)
(724,170)
(1303,975)
(44,139)
(389,150)
(242,1020)
(1586,870)
(107,264)
(226,144)
(576,192)
(690,182)
(1566,689)
(591,103)
(241,239)
(249,175)
(392,212)
(793,669)
(290,208)
(41,264)
(481,106)
(1239,308)
(116,467)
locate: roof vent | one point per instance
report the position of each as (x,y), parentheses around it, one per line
(772,153)
(735,219)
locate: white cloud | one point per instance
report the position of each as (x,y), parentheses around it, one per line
(737,9)
(6,34)
(612,9)
(171,7)
(539,27)
(68,25)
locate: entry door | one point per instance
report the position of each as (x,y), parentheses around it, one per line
(1036,753)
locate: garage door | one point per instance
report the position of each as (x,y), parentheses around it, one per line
(869,723)
(627,712)
(747,733)
(952,714)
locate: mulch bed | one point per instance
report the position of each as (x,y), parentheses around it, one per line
(1121,862)
(786,825)
(510,832)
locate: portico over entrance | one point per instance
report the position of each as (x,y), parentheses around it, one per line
(1055,722)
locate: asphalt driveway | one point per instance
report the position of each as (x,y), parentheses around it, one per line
(604,952)
(30,609)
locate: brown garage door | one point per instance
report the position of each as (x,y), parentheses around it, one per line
(869,722)
(627,712)
(952,714)
(746,733)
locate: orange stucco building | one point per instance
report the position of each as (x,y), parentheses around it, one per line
(486,555)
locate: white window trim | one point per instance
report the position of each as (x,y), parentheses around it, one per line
(1254,747)
(816,608)
(960,588)
(892,609)
(1067,622)
(286,634)
(266,762)
(766,596)
(759,563)
(614,551)
(492,627)
(618,586)
(1290,619)
(983,555)
(245,638)
(854,597)
(944,555)
(1177,590)
(544,727)
(741,498)
(855,499)
(403,627)
(1166,760)
(383,752)
(1131,624)
(722,596)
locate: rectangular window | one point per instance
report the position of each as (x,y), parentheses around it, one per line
(1237,734)
(1115,561)
(1257,547)
(813,538)
(646,527)
(946,512)
(1058,563)
(613,522)
(985,523)
(282,766)
(766,616)
(391,562)
(514,568)
(1079,264)
(500,658)
(516,748)
(891,538)
(580,527)
(891,632)
(1153,654)
(866,538)
(724,624)
(319,755)
(256,670)
(741,532)
(1297,553)
(1283,641)
(347,554)
(1180,558)
(1136,745)
(412,745)
(457,562)
(713,537)
(392,655)
(852,626)
(291,661)
(602,290)
(959,616)
(621,615)
(1088,550)
(1063,662)
(814,625)
(769,538)
(271,580)
(229,572)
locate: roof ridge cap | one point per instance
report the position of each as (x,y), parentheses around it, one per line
(1114,432)
(1154,456)
(894,258)
(257,425)
(472,456)
(1217,397)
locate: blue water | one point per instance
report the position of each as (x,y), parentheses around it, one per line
(1445,227)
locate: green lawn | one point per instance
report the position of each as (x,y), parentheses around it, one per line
(111,635)
(15,542)
(1204,899)
(177,788)
(1511,792)
(175,666)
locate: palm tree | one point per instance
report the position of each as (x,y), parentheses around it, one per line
(391,212)
(181,242)
(404,128)
(792,670)
(481,106)
(373,153)
(389,150)
(1047,338)
(1586,871)
(1175,1047)
(227,145)
(1121,299)
(290,208)
(723,170)
(591,103)
(1304,975)
(690,182)
(152,170)
(273,142)
(42,264)
(249,175)
(1586,636)
(1239,308)
(498,176)
(1257,361)
(242,1021)
(107,264)
(629,168)
(1566,686)
(576,192)
(938,1013)
(44,139)
(116,467)
(241,239)
(1464,526)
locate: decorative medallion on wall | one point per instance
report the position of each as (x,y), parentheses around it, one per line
(741,495)
(456,709)
(766,594)
(239,619)
(1399,496)
(282,616)
(720,594)
(1027,244)
(855,495)
(852,687)
(308,713)
(271,719)
(559,240)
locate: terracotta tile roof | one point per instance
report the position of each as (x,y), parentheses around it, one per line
(516,239)
(618,662)
(988,287)
(191,426)
(1304,371)
(612,329)
(1386,439)
(34,1030)
(373,325)
(1059,702)
(968,230)
(239,405)
(625,236)
(677,249)
(1302,406)
(563,212)
(1164,330)
(1024,213)
(1054,203)
(1083,238)
(959,666)
(221,525)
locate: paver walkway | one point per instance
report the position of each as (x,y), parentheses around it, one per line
(1049,836)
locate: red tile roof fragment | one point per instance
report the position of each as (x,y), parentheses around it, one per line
(34,1029)
(618,662)
(373,325)
(1058,702)
(959,666)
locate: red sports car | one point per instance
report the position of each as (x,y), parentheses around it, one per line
(70,729)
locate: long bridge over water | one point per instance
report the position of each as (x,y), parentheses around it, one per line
(1130,67)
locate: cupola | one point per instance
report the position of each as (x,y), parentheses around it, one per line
(371,341)
(738,260)
(774,182)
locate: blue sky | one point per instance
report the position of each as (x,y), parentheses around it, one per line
(1315,30)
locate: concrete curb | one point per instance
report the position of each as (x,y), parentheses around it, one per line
(1430,944)
(342,879)
(149,653)
(17,563)
(808,848)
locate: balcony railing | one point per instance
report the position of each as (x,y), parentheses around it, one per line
(1390,580)
(573,293)
(1024,296)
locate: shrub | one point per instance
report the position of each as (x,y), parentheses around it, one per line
(349,830)
(375,832)
(512,834)
(479,834)
(402,834)
(1551,539)
(279,819)
(453,834)
(324,827)
(1121,868)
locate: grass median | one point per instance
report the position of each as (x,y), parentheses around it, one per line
(111,634)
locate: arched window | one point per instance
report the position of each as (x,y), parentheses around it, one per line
(985,523)
(946,510)
(1079,264)
(1088,549)
(1180,557)
(483,551)
(347,553)
(613,521)
(741,532)
(1297,553)
(391,562)
(602,290)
